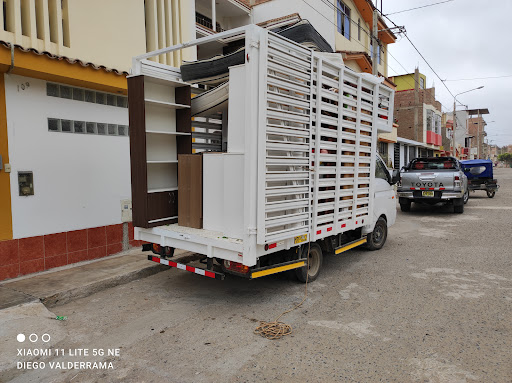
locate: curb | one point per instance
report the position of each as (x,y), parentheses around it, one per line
(67,296)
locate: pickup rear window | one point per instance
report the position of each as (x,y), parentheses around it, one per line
(433,164)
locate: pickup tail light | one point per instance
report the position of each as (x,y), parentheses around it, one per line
(457,182)
(236,267)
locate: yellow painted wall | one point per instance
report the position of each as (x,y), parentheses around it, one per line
(5,185)
(354,44)
(104,32)
(406,81)
(389,136)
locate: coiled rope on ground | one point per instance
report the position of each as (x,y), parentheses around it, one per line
(276,330)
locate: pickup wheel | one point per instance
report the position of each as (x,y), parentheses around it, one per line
(459,208)
(405,206)
(377,238)
(491,193)
(466,196)
(314,264)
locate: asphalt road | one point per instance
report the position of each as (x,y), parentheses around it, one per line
(434,305)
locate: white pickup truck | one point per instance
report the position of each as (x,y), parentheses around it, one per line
(297,174)
(433,180)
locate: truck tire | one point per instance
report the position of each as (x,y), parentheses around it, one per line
(405,206)
(458,206)
(491,193)
(466,196)
(314,264)
(377,238)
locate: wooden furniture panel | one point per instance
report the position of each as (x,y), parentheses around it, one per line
(137,121)
(190,190)
(160,129)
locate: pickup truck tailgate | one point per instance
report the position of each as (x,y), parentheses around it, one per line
(428,180)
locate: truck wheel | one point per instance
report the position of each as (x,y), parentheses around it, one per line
(405,206)
(466,196)
(459,208)
(491,193)
(377,238)
(314,264)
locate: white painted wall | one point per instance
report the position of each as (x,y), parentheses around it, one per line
(318,13)
(79,179)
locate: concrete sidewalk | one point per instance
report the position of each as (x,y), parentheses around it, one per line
(61,285)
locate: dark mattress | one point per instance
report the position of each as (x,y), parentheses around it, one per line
(216,69)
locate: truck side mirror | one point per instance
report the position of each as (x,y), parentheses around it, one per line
(395,176)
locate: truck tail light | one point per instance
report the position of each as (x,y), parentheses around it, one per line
(236,267)
(161,250)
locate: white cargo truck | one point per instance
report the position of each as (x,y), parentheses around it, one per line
(294,172)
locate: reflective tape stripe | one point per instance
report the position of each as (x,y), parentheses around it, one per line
(195,270)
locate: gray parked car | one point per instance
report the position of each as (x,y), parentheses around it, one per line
(432,180)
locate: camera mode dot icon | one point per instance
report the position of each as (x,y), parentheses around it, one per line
(21,338)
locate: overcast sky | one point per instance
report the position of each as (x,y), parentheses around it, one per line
(461,39)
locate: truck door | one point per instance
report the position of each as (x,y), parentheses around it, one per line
(385,202)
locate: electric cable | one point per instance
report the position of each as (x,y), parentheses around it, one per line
(423,6)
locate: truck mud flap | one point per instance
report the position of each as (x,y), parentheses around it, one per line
(192,269)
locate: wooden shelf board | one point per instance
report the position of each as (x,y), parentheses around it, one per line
(162,190)
(166,104)
(170,133)
(162,162)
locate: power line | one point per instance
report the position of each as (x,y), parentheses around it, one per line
(430,66)
(412,9)
(479,78)
(334,7)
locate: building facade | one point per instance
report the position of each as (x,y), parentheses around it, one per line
(65,176)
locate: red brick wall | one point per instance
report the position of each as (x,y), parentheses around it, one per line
(404,115)
(404,111)
(29,255)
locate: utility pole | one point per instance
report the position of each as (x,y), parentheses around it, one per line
(375,70)
(478,136)
(454,126)
(416,104)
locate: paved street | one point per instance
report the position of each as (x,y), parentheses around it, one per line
(433,306)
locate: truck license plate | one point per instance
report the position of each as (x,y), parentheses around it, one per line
(301,238)
(427,194)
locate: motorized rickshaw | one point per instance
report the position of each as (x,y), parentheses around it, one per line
(480,176)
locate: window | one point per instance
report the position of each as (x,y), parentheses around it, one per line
(380,170)
(422,83)
(359,29)
(383,150)
(343,19)
(378,51)
(86,95)
(437,123)
(434,164)
(86,127)
(412,153)
(430,120)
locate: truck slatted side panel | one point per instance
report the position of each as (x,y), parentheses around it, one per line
(206,134)
(347,109)
(284,140)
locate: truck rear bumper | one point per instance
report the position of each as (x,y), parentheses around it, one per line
(439,195)
(192,269)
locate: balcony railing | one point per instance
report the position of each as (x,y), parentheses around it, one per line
(207,22)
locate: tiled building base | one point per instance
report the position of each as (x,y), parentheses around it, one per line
(29,255)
